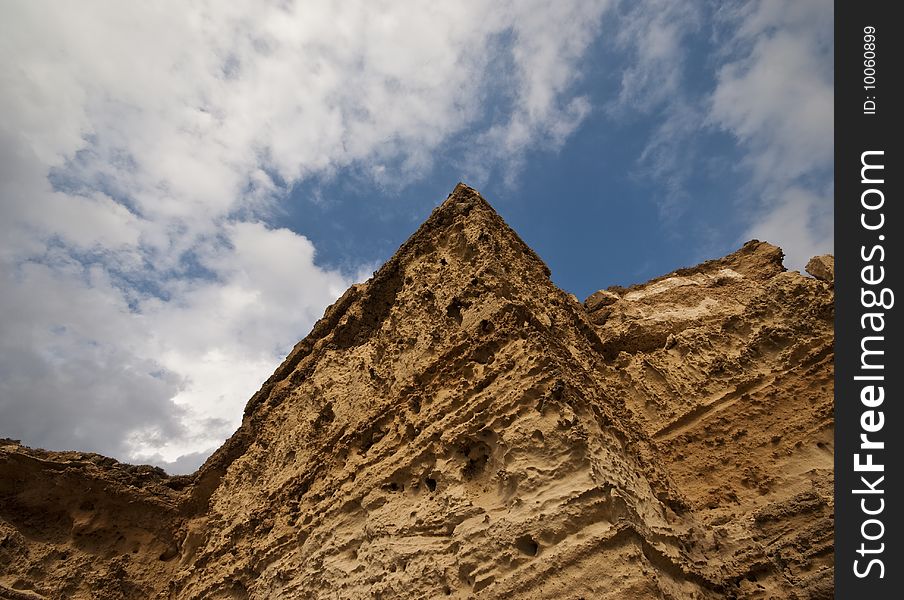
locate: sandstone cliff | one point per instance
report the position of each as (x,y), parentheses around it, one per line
(459,427)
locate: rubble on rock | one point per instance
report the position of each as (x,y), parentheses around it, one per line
(458,427)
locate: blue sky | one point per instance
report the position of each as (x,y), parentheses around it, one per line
(592,207)
(184,188)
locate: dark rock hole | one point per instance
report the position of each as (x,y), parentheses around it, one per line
(477,456)
(527,545)
(453,310)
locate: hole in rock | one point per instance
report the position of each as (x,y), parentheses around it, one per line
(394,487)
(527,545)
(431,484)
(170,553)
(326,415)
(477,455)
(453,310)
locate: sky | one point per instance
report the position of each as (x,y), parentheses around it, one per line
(185,186)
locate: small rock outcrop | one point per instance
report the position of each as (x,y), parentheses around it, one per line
(459,427)
(822,268)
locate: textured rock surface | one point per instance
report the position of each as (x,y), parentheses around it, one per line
(459,427)
(822,267)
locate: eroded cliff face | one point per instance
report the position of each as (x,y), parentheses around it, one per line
(459,427)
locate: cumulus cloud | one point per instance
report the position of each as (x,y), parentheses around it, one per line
(144,146)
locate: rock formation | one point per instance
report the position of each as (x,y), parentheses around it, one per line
(459,427)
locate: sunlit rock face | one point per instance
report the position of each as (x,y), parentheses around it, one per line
(459,427)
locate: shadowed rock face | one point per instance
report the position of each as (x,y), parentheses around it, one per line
(458,427)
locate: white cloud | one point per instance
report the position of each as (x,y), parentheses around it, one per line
(669,158)
(144,297)
(771,62)
(231,330)
(653,36)
(776,97)
(544,41)
(801,222)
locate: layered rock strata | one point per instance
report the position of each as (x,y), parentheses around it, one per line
(458,426)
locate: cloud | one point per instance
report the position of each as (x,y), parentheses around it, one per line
(144,148)
(544,41)
(670,158)
(777,99)
(766,83)
(801,221)
(70,380)
(653,36)
(652,40)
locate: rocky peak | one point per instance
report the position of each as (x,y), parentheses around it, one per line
(457,426)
